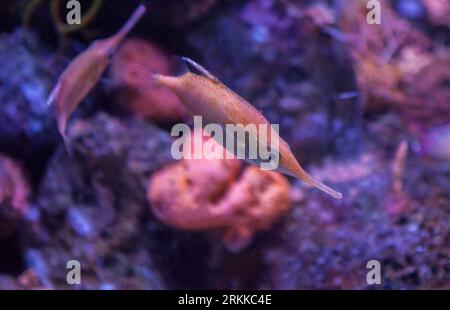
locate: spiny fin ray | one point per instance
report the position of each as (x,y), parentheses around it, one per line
(198,69)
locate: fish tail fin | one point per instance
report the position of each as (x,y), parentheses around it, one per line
(132,21)
(303,175)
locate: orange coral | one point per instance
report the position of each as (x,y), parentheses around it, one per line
(257,199)
(429,94)
(200,194)
(380,72)
(131,69)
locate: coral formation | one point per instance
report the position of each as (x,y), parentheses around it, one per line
(131,69)
(207,194)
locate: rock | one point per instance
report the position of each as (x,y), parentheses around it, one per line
(326,244)
(438,12)
(93,203)
(436,142)
(14,196)
(27,126)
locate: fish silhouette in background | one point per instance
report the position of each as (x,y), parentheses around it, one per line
(83,73)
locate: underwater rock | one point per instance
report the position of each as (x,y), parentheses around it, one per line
(183,13)
(412,60)
(131,70)
(409,79)
(287,58)
(29,280)
(378,75)
(27,126)
(438,12)
(326,244)
(410,8)
(436,142)
(321,14)
(9,283)
(198,194)
(94,203)
(14,196)
(348,171)
(428,94)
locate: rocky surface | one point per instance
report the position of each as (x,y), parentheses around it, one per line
(345,100)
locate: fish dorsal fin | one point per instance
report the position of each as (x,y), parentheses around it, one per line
(198,69)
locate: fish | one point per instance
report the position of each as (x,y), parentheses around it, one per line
(83,73)
(205,95)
